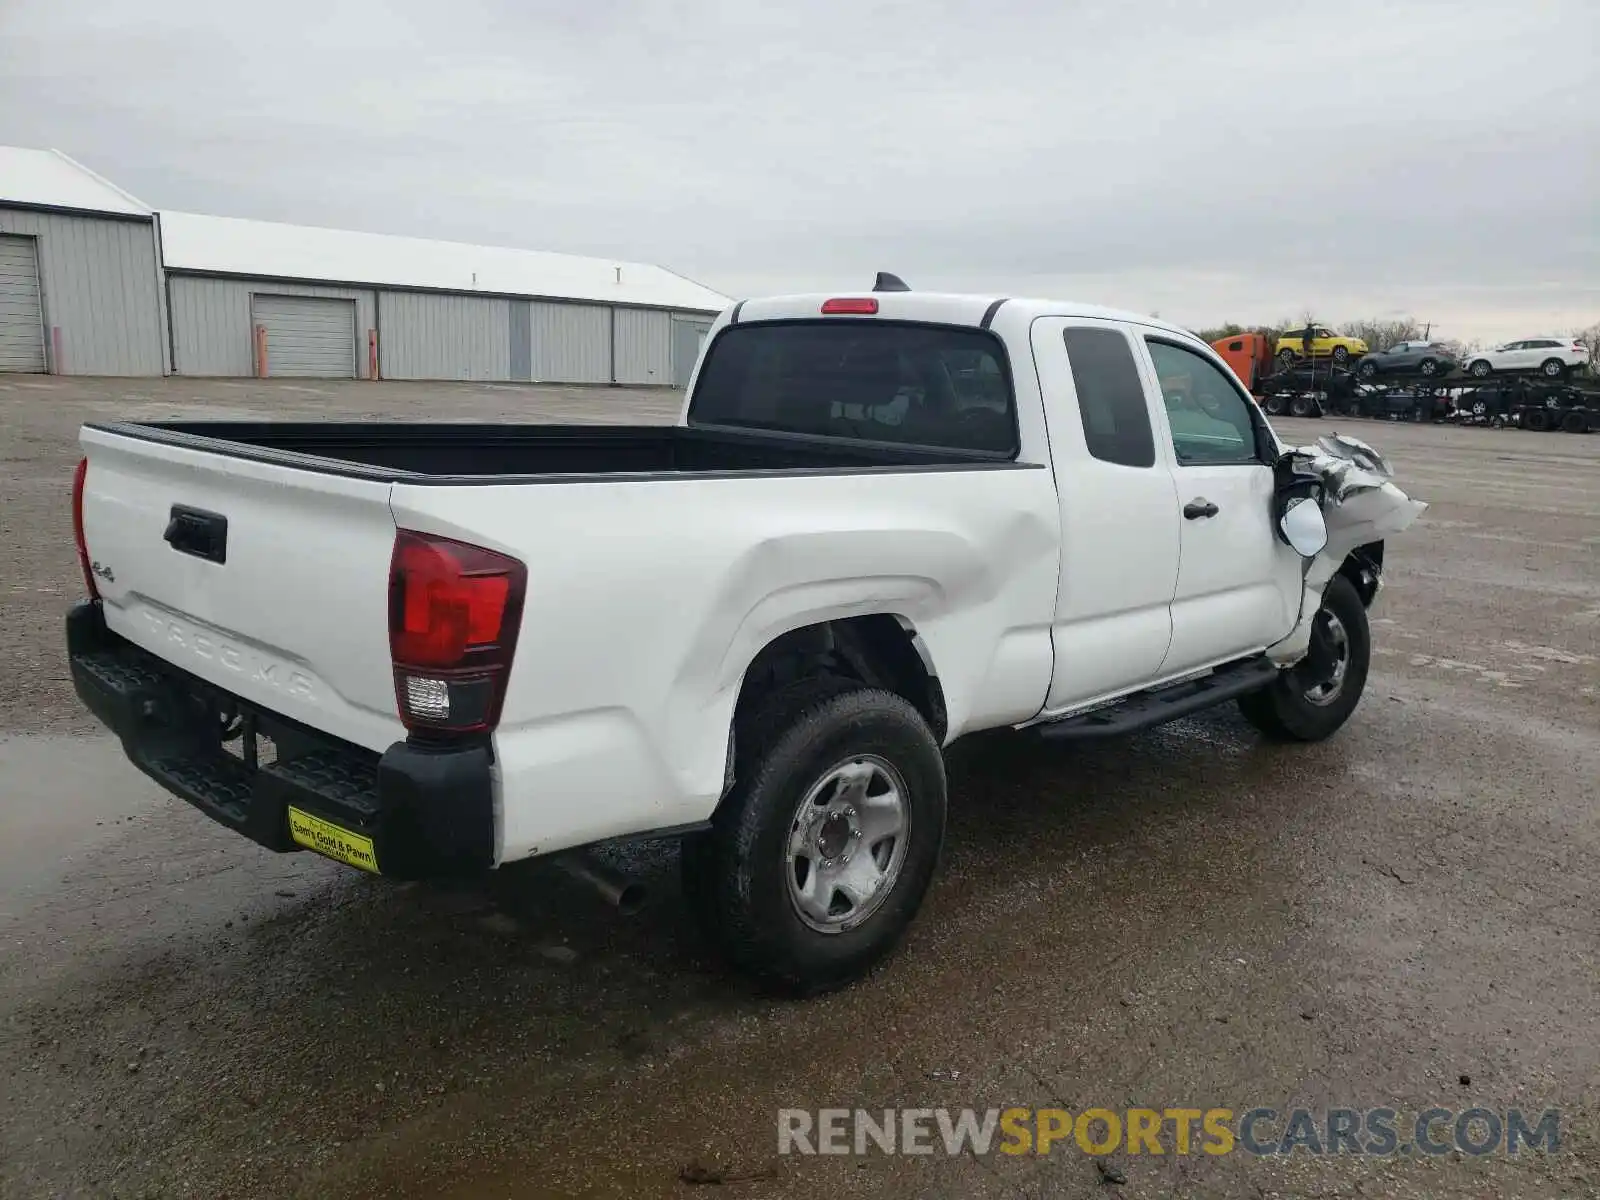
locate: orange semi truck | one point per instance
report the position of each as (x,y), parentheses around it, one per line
(1249,354)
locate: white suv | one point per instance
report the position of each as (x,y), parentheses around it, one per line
(1551,357)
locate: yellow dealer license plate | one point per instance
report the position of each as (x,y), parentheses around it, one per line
(329,839)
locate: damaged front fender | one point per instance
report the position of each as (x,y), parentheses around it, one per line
(1360,504)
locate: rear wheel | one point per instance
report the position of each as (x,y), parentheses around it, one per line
(1302,406)
(1314,698)
(1552,368)
(1273,405)
(1367,369)
(1536,419)
(1286,358)
(1428,367)
(1341,355)
(819,857)
(1575,422)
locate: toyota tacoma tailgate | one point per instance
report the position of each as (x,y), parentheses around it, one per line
(266,580)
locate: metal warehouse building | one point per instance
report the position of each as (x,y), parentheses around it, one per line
(93,282)
(259,298)
(80,271)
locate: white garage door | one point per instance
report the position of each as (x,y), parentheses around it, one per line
(307,335)
(21,328)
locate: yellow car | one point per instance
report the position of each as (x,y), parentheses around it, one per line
(1325,343)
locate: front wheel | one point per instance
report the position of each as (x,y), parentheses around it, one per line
(819,857)
(1428,367)
(1341,355)
(1480,369)
(1367,369)
(1311,700)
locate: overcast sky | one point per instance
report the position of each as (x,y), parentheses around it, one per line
(1207,161)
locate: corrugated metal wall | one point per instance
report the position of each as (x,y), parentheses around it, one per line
(688,336)
(644,346)
(100,286)
(571,343)
(427,336)
(211,322)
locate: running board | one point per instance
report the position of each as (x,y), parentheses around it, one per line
(1159,705)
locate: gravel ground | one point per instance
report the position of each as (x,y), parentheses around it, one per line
(1405,916)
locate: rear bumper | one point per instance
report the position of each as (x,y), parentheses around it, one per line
(426,810)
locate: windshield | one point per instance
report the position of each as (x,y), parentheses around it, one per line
(926,385)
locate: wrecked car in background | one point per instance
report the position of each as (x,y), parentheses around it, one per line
(883,520)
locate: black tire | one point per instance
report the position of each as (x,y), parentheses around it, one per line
(1552,368)
(1575,422)
(1302,406)
(1341,355)
(1273,405)
(1367,369)
(1287,358)
(1479,369)
(734,876)
(1497,421)
(1283,712)
(1428,367)
(1535,419)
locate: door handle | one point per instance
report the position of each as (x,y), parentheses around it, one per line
(1199,507)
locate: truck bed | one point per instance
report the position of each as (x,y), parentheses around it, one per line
(451,452)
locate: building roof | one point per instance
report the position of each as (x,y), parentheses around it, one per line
(49,179)
(235,246)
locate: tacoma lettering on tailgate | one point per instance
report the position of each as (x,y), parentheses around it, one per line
(249,663)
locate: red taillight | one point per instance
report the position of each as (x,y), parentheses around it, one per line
(454,611)
(78,478)
(858,305)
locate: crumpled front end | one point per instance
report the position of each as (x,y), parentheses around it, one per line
(1360,505)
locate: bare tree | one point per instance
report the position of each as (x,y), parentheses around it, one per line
(1380,334)
(1226,330)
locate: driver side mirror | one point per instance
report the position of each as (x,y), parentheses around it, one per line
(1303,527)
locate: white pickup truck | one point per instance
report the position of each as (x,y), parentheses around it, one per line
(883,521)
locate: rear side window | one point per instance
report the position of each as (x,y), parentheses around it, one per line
(947,386)
(1111,401)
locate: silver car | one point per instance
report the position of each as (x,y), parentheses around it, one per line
(1420,358)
